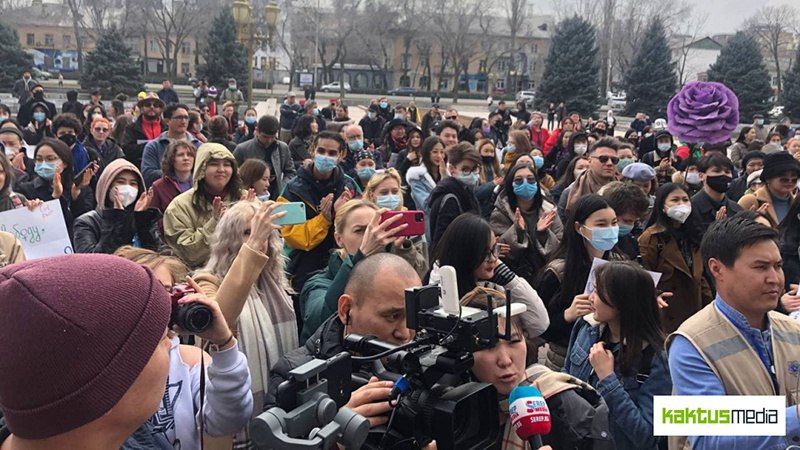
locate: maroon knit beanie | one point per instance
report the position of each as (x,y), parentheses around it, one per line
(75,333)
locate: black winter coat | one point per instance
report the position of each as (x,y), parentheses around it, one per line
(444,211)
(105,230)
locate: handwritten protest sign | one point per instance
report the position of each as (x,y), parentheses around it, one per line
(42,231)
(597,262)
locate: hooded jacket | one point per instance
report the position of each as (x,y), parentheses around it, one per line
(443,208)
(189,221)
(106,228)
(312,241)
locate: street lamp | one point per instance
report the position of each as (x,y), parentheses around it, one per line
(243,17)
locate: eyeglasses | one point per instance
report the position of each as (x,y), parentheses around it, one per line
(605,158)
(150,104)
(101,130)
(494,252)
(519,181)
(179,117)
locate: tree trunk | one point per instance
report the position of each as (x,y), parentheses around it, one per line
(779,92)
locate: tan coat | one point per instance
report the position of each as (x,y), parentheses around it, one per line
(754,201)
(660,253)
(10,249)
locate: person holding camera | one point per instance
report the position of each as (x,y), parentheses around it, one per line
(228,402)
(245,275)
(373,304)
(123,213)
(359,233)
(86,368)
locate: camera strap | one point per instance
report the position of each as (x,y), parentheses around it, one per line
(202,394)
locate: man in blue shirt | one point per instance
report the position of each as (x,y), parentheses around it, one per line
(738,345)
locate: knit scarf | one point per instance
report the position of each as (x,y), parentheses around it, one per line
(587,183)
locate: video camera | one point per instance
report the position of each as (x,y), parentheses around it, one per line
(433,397)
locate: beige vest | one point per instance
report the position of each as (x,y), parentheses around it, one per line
(736,363)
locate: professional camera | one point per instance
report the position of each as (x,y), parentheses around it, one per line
(192,317)
(433,396)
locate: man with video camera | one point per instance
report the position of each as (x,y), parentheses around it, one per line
(373,304)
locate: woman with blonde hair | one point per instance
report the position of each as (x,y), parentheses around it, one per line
(519,143)
(245,275)
(359,233)
(384,191)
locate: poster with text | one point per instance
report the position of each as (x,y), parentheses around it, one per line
(42,232)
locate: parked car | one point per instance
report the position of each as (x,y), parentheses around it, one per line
(526,97)
(335,87)
(617,101)
(40,75)
(404,90)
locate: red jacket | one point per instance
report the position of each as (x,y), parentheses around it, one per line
(164,190)
(539,138)
(551,141)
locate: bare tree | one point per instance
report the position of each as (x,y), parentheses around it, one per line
(172,22)
(772,26)
(376,34)
(690,32)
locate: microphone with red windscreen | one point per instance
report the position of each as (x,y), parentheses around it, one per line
(529,414)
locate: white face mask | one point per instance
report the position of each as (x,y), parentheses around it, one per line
(578,173)
(580,150)
(679,212)
(127,194)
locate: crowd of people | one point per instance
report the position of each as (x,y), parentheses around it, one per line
(169,194)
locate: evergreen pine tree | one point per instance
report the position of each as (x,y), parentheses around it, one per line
(740,66)
(571,69)
(651,80)
(224,56)
(791,89)
(110,68)
(14,59)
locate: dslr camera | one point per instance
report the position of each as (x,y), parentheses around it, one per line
(192,317)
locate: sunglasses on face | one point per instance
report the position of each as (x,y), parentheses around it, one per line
(451,118)
(519,181)
(150,104)
(101,130)
(605,159)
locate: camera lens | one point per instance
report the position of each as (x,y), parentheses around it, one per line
(419,217)
(193,317)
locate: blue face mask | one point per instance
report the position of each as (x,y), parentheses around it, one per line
(45,170)
(510,148)
(324,164)
(250,120)
(625,230)
(605,238)
(623,163)
(470,179)
(538,162)
(366,173)
(316,111)
(526,190)
(399,116)
(372,115)
(356,145)
(3,118)
(384,105)
(390,201)
(39,116)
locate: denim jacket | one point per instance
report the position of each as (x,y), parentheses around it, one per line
(629,399)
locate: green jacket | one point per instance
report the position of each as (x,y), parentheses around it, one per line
(189,222)
(319,298)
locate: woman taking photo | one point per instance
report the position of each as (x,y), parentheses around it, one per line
(670,246)
(245,276)
(620,352)
(524,220)
(591,232)
(479,264)
(424,177)
(383,191)
(176,166)
(99,140)
(190,219)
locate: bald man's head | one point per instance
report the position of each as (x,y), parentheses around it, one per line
(374,270)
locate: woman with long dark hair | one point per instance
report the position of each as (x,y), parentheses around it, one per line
(526,221)
(736,151)
(619,350)
(591,232)
(574,169)
(424,177)
(670,245)
(479,264)
(304,131)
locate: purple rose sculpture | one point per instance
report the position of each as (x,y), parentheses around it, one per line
(703,112)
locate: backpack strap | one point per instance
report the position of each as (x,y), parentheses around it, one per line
(448,197)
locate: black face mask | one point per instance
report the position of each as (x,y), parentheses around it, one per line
(600,131)
(488,160)
(719,183)
(38,95)
(68,139)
